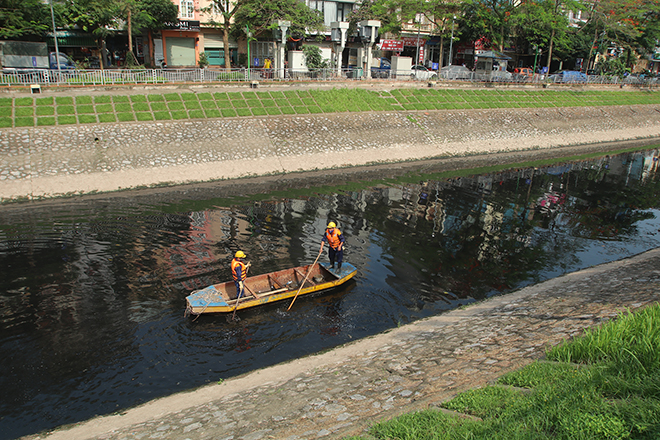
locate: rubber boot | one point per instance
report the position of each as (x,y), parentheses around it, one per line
(339,267)
(332,265)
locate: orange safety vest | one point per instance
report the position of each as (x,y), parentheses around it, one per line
(333,237)
(235,264)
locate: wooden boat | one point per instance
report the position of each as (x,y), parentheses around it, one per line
(267,288)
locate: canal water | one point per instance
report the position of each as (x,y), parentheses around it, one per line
(92,289)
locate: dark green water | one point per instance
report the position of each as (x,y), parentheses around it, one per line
(92,290)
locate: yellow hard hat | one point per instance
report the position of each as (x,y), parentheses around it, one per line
(240,254)
(332,225)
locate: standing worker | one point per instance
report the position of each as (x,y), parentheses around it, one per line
(335,240)
(239,272)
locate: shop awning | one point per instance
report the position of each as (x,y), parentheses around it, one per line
(69,39)
(493,54)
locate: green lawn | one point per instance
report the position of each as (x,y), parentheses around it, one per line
(28,111)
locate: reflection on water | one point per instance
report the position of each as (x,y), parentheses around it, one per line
(93,290)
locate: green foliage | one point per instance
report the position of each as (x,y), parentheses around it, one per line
(23,18)
(313,57)
(261,16)
(203,60)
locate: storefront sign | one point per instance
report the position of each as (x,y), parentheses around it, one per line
(413,41)
(395,45)
(183,25)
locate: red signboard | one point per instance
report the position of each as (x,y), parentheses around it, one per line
(395,45)
(414,41)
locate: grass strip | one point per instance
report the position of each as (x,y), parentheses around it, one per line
(602,385)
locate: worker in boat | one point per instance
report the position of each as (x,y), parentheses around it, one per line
(335,240)
(239,271)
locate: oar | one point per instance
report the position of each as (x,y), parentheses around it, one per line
(308,272)
(238,297)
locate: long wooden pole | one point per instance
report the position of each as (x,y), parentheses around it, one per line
(308,272)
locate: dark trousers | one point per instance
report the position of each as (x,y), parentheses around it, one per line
(239,292)
(335,254)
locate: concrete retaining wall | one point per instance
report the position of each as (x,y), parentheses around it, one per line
(56,161)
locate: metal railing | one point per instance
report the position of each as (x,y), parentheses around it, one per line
(196,75)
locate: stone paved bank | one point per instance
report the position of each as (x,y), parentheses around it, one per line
(414,367)
(54,161)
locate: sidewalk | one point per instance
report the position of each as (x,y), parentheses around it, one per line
(344,391)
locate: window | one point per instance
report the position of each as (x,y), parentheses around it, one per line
(343,9)
(316,4)
(186,9)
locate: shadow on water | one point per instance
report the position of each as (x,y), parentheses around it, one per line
(93,289)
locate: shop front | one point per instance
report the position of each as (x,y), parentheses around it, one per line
(180,43)
(214,48)
(414,47)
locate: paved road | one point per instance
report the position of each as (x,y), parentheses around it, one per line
(342,392)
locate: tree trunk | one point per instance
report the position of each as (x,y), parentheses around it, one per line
(552,38)
(442,46)
(225,43)
(130,33)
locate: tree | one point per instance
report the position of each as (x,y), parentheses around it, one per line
(633,25)
(94,16)
(390,13)
(487,18)
(261,16)
(24,18)
(314,58)
(145,15)
(558,22)
(441,13)
(542,23)
(227,9)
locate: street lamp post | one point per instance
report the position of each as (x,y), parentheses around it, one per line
(57,49)
(249,37)
(419,28)
(451,42)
